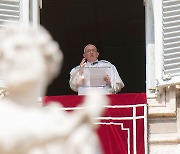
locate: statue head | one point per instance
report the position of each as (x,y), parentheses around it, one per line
(28,56)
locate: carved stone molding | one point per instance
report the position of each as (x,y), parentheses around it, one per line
(164,104)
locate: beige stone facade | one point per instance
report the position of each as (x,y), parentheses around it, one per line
(164,122)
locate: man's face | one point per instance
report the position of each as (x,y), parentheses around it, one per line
(91,53)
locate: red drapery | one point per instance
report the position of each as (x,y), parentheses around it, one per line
(123,126)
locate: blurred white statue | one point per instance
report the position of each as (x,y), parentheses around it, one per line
(29,60)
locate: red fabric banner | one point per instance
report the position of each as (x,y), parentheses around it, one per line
(123,126)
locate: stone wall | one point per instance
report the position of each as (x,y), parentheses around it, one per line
(164,122)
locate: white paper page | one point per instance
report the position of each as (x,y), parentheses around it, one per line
(94,76)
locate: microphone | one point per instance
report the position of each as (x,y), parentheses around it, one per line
(94,63)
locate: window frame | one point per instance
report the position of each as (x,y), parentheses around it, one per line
(155,77)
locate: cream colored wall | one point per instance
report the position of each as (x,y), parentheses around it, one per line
(164,122)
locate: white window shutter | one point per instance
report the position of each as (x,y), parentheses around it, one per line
(168,73)
(20,11)
(9,12)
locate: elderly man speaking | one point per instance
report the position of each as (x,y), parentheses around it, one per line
(91,73)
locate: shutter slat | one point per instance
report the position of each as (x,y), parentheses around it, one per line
(12,2)
(171,29)
(9,7)
(168,23)
(171,55)
(173,34)
(171,18)
(2,11)
(170,45)
(172,50)
(171,13)
(171,65)
(2,22)
(171,24)
(175,72)
(8,16)
(171,40)
(172,60)
(170,2)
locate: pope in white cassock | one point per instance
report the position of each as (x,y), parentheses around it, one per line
(93,74)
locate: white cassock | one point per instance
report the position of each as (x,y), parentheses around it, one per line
(76,79)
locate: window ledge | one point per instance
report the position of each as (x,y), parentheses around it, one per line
(164,104)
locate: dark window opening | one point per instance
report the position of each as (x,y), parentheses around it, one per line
(116,27)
